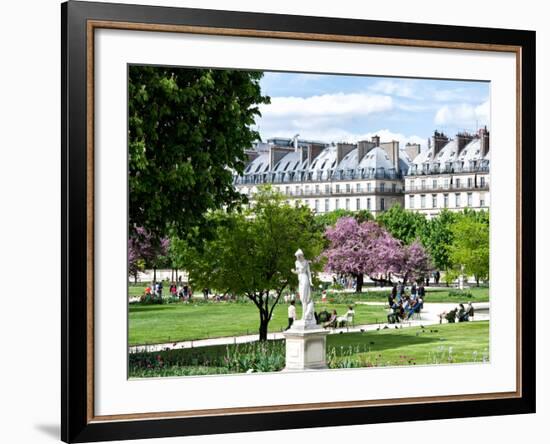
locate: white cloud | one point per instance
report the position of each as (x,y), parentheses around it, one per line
(327,105)
(459,94)
(464,115)
(393,88)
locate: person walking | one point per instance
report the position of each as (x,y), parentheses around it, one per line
(291,314)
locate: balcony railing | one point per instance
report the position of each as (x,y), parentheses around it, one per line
(344,192)
(447,170)
(449,187)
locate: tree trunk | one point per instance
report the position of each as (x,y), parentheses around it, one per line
(154,274)
(477,281)
(359,283)
(264,321)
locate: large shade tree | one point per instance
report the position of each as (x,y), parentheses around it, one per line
(252,253)
(188,131)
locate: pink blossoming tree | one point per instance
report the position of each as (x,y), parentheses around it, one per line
(366,248)
(144,249)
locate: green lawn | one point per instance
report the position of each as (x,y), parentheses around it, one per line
(460,342)
(153,324)
(433,294)
(441,344)
(439,294)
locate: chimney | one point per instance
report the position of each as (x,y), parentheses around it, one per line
(440,140)
(276,153)
(313,150)
(295,141)
(463,139)
(412,149)
(392,150)
(342,149)
(484,140)
(376,140)
(363,147)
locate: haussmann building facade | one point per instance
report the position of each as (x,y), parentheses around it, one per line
(373,175)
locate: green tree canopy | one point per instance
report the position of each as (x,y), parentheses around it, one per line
(438,238)
(404,225)
(188,129)
(252,253)
(470,247)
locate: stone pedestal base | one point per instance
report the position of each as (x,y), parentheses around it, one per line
(305,347)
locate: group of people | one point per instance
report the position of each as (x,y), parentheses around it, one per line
(403,306)
(460,314)
(323,318)
(182,291)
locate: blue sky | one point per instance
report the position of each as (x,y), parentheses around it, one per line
(337,108)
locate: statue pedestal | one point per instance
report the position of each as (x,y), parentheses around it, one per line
(306,346)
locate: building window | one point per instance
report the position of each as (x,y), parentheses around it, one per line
(368,203)
(470,182)
(382,204)
(446,183)
(457,200)
(482,199)
(382,187)
(357,204)
(347,204)
(445,201)
(434,184)
(457,182)
(316,205)
(358,187)
(316,189)
(434,200)
(411,201)
(368,187)
(482,182)
(469,199)
(337,187)
(297,190)
(422,201)
(393,188)
(423,184)
(327,206)
(327,189)
(337,204)
(287,190)
(307,189)
(348,188)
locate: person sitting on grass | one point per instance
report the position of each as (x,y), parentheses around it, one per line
(332,320)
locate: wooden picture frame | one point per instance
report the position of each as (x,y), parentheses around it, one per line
(79,22)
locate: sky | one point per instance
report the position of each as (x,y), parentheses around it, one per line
(343,108)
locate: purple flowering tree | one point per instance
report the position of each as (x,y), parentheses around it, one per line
(366,248)
(145,250)
(416,263)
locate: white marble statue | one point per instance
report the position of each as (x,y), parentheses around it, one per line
(304,287)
